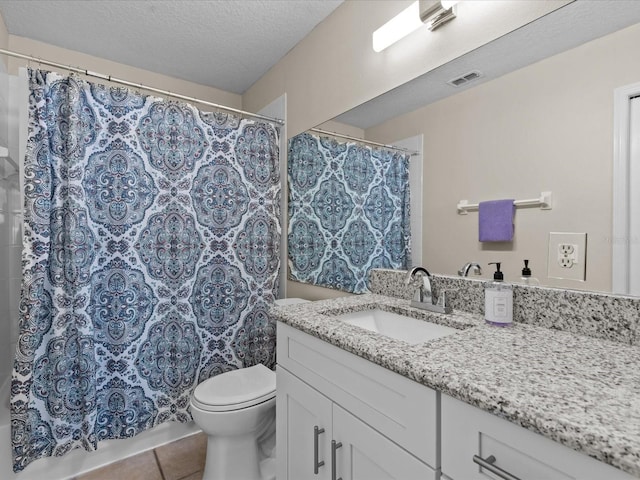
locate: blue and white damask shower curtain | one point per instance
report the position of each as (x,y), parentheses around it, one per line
(151,258)
(348,211)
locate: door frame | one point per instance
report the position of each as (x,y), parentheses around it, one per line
(620,239)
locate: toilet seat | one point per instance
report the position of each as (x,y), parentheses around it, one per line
(235,390)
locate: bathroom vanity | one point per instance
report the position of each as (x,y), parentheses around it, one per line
(335,405)
(483,402)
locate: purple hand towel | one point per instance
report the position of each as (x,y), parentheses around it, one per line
(495,220)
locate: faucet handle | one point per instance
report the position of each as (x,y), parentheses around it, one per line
(442,299)
(445,296)
(464,271)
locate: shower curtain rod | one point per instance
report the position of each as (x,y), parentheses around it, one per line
(413,153)
(120,81)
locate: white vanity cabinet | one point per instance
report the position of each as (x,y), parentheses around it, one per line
(471,436)
(304,430)
(344,417)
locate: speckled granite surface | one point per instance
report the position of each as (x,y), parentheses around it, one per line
(599,315)
(577,390)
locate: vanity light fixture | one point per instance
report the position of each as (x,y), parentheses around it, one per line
(420,12)
(435,14)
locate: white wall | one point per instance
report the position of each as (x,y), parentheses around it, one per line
(118,70)
(548,126)
(342,128)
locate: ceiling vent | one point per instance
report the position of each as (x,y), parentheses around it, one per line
(464,79)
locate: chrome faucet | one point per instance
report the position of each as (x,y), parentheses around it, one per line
(423,293)
(423,298)
(464,271)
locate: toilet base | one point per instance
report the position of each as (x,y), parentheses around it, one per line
(268,469)
(232,459)
(249,456)
(238,460)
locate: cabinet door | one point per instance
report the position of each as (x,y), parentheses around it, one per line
(361,453)
(299,411)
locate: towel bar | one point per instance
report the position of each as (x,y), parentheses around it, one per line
(544,202)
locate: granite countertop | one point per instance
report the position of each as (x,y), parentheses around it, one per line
(579,391)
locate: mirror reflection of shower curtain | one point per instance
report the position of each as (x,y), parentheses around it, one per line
(151,258)
(348,211)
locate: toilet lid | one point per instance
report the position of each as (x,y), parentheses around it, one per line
(236,389)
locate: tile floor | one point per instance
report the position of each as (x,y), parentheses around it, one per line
(179,460)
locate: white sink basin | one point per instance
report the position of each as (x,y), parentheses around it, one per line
(407,329)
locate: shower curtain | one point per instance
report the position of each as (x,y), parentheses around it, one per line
(348,211)
(151,257)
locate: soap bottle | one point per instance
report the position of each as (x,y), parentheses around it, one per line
(526,277)
(498,300)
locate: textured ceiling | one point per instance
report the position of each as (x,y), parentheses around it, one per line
(227,44)
(560,30)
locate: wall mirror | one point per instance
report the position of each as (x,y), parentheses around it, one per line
(538,117)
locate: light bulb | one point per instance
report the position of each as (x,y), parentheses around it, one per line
(398,27)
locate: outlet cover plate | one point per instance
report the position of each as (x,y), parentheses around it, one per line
(577,258)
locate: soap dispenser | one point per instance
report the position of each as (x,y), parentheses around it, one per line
(498,300)
(526,277)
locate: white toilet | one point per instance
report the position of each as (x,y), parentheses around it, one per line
(237,411)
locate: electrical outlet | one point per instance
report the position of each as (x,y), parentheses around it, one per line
(567,256)
(566,248)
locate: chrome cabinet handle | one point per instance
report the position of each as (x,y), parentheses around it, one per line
(334,447)
(316,465)
(488,463)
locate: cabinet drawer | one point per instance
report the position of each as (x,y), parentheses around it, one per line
(395,406)
(468,431)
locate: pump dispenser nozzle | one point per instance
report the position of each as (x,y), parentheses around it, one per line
(497,275)
(527,277)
